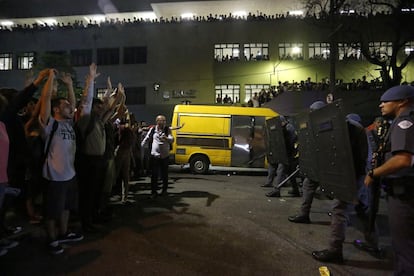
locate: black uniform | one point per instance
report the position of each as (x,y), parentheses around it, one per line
(401,194)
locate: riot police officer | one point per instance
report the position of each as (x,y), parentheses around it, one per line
(359,148)
(309,185)
(397,173)
(282,170)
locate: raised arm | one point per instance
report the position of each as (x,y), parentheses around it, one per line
(119,104)
(109,89)
(67,80)
(21,99)
(88,91)
(119,98)
(45,98)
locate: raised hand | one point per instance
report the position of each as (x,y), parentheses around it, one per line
(93,71)
(66,78)
(42,75)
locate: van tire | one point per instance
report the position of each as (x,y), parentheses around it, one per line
(199,164)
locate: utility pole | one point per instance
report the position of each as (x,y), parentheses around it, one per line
(333,45)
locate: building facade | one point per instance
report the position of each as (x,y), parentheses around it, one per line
(198,61)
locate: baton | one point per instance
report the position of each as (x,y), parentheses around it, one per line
(287,178)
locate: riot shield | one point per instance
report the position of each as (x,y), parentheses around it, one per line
(334,154)
(308,166)
(275,142)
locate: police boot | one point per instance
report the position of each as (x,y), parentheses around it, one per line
(329,256)
(274,193)
(372,249)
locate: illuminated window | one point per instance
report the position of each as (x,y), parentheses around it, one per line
(108,56)
(135,55)
(25,61)
(256,51)
(6,61)
(319,50)
(409,48)
(226,52)
(254,88)
(380,50)
(291,51)
(81,57)
(349,51)
(227,93)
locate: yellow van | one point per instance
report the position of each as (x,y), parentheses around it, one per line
(219,136)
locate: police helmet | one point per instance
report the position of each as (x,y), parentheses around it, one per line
(354,117)
(317,105)
(400,92)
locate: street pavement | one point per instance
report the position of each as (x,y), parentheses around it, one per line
(216,224)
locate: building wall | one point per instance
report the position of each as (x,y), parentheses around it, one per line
(180,56)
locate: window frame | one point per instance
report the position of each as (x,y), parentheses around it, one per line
(261,48)
(319,50)
(227,89)
(286,51)
(345,49)
(135,55)
(108,56)
(380,49)
(221,50)
(83,57)
(26,60)
(6,61)
(250,89)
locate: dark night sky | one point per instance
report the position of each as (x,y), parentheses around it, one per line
(43,8)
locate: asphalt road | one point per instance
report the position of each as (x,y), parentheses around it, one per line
(216,224)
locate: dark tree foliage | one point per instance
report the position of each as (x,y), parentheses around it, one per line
(367,21)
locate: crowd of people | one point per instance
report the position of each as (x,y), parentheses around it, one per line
(268,94)
(114,22)
(54,150)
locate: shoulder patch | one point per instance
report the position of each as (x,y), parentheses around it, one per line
(405,124)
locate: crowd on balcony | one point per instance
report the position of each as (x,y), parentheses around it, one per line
(114,22)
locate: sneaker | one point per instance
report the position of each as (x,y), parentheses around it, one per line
(8,244)
(70,237)
(13,230)
(55,248)
(3,251)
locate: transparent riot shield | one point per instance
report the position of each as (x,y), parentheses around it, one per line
(334,155)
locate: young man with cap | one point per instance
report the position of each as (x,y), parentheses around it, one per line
(397,173)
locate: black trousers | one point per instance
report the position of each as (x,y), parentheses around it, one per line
(159,167)
(90,171)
